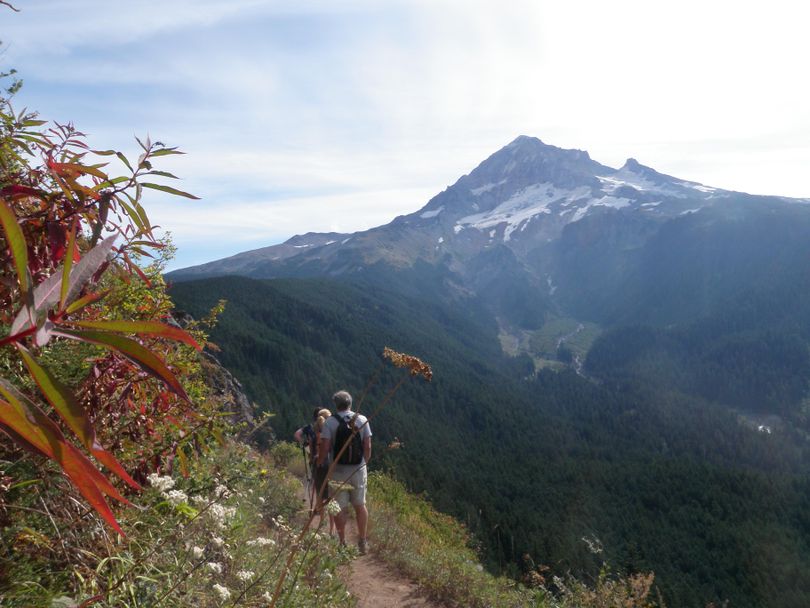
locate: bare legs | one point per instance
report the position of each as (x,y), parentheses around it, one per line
(362,522)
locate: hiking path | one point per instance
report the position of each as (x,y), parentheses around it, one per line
(374,583)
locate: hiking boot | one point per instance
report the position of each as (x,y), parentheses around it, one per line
(362,546)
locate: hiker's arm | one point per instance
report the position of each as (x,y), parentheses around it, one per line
(367,448)
(299,435)
(324,445)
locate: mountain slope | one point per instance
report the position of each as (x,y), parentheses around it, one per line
(668,483)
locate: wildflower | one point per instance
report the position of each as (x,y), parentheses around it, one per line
(197,552)
(260,542)
(214,567)
(333,508)
(199,500)
(175,497)
(245,575)
(416,366)
(221,514)
(222,592)
(222,491)
(267,597)
(162,483)
(217,541)
(263,472)
(261,499)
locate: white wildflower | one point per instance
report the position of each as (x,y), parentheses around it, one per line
(197,552)
(217,541)
(175,497)
(222,491)
(267,597)
(161,483)
(260,542)
(333,508)
(261,499)
(222,592)
(199,500)
(221,514)
(245,575)
(214,567)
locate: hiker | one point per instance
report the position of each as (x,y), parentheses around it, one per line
(350,467)
(309,436)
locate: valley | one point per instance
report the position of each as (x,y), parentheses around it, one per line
(603,403)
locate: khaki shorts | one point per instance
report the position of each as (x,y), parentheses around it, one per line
(354,490)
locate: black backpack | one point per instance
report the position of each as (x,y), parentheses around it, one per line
(344,434)
(308,434)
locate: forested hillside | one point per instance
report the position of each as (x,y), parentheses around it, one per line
(667,482)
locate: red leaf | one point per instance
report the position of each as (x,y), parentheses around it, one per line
(29,425)
(16,191)
(57,236)
(153,328)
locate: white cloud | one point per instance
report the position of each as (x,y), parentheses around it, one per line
(281,101)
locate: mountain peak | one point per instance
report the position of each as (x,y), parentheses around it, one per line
(527,160)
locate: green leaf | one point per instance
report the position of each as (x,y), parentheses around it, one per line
(165,152)
(141,356)
(90,298)
(153,328)
(66,267)
(111,182)
(124,160)
(170,190)
(24,484)
(163,174)
(19,249)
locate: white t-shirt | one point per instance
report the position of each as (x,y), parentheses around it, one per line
(330,429)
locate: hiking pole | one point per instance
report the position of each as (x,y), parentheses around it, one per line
(307,476)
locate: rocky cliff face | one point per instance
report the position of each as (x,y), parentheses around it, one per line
(226,389)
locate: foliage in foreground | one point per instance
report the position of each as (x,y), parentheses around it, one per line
(60,217)
(219,537)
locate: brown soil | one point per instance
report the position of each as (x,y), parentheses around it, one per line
(375,584)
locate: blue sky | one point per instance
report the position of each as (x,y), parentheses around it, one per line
(341,114)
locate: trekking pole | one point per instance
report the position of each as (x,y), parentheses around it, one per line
(307,477)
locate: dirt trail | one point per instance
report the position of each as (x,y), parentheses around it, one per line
(374,583)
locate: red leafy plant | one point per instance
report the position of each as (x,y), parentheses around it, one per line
(66,224)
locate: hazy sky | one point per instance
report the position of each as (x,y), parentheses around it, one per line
(300,115)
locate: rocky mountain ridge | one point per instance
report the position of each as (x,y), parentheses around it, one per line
(534,228)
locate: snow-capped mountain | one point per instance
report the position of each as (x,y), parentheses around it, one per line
(531,228)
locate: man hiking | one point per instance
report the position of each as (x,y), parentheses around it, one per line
(344,427)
